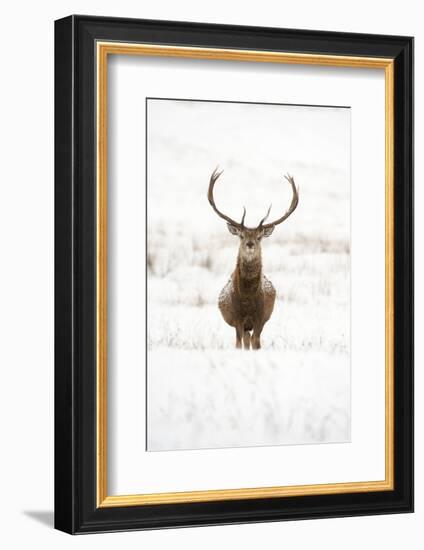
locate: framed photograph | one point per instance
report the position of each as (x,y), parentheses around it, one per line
(234,274)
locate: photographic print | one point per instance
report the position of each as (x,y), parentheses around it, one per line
(233,274)
(248,274)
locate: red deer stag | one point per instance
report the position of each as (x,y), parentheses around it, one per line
(247,300)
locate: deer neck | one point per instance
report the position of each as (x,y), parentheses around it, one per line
(248,274)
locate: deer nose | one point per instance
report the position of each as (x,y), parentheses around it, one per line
(250,244)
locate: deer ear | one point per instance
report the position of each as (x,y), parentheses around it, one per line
(233,229)
(268,231)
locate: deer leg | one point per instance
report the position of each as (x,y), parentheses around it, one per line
(256,338)
(238,339)
(246,339)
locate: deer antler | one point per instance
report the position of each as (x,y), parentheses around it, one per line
(292,208)
(215,175)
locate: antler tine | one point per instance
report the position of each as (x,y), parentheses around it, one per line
(244,215)
(292,207)
(266,216)
(215,175)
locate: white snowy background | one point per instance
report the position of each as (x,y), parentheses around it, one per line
(201,392)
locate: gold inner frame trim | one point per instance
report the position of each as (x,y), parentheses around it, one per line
(104,49)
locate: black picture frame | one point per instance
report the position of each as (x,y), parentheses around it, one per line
(76,509)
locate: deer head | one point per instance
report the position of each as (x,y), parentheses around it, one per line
(251,237)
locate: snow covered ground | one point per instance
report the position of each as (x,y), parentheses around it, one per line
(201,392)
